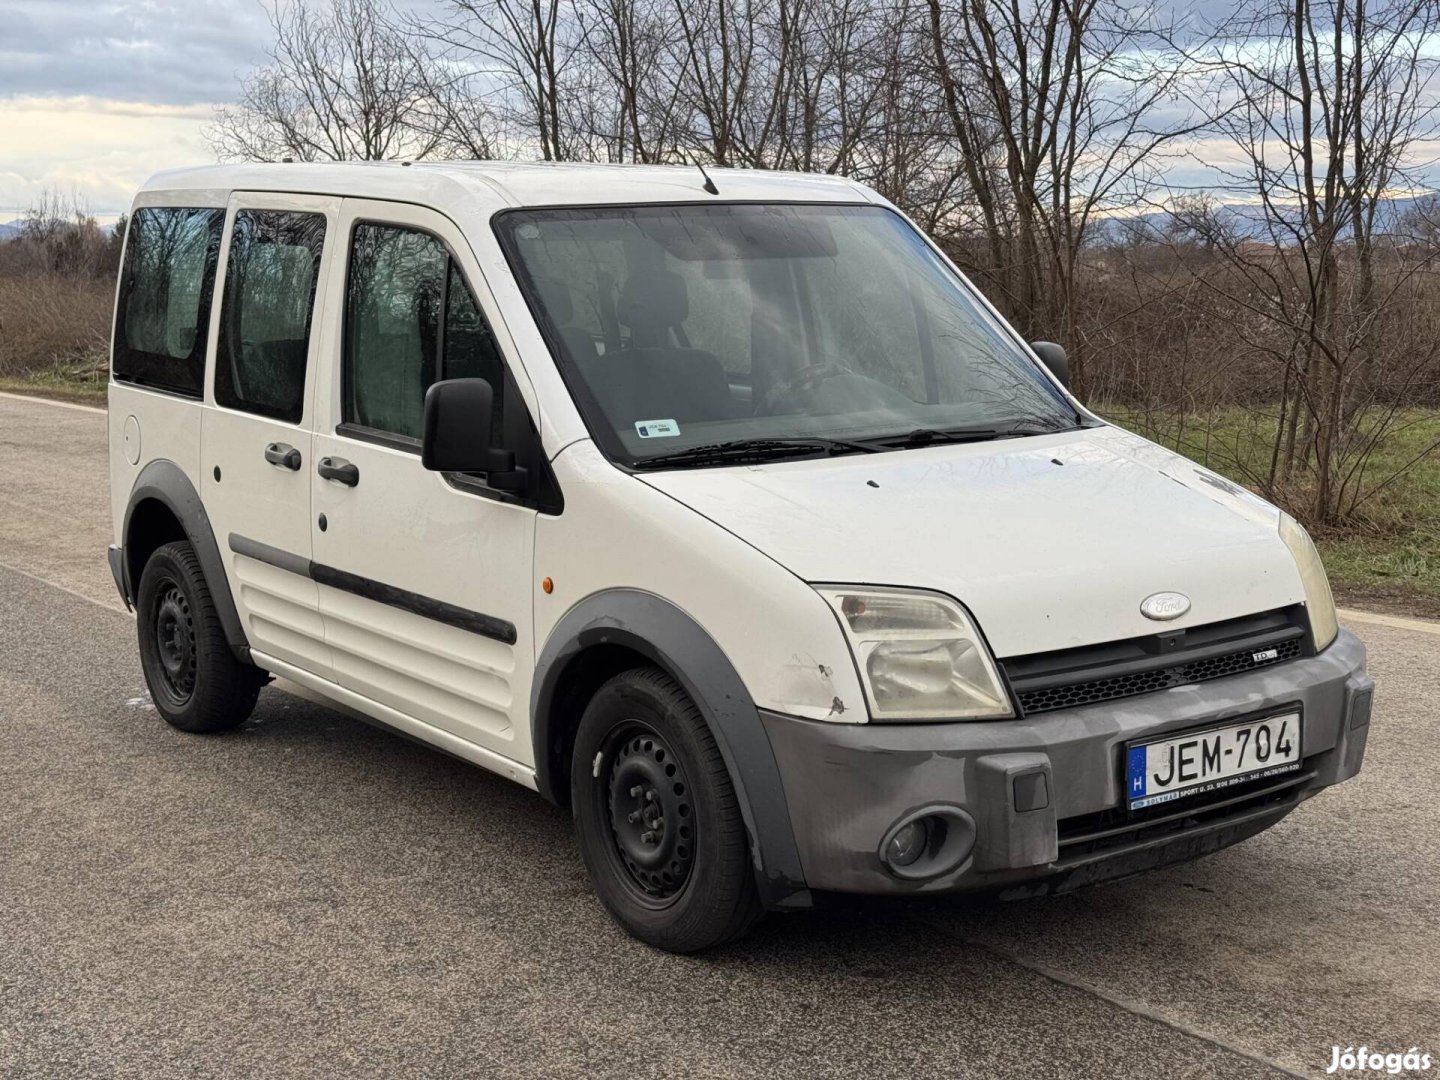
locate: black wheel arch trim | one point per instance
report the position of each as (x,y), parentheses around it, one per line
(669,638)
(165,482)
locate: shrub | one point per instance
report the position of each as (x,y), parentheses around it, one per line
(50,321)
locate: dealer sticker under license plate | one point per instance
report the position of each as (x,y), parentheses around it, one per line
(1198,761)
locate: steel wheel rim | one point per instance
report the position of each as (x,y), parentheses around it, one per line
(646,799)
(173,628)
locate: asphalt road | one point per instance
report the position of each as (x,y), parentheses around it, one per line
(309,896)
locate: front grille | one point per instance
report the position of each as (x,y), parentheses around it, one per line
(1144,682)
(1109,830)
(1070,678)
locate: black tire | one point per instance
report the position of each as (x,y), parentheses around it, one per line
(195,680)
(646,763)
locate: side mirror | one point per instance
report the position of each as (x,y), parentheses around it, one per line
(457,436)
(1053,357)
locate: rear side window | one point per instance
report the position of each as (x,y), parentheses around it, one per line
(266,312)
(410,319)
(163,310)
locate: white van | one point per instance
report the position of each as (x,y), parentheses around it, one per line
(721,509)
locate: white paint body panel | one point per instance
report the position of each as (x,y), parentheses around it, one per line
(410,529)
(1045,556)
(620,532)
(279,609)
(168,426)
(350,702)
(169,429)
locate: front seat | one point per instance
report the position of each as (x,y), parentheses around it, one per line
(668,379)
(561,309)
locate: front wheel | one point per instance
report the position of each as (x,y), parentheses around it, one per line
(658,821)
(195,680)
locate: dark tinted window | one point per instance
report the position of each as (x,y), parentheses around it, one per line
(410,319)
(266,311)
(163,310)
(470,350)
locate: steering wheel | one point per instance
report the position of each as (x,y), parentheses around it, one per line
(803,381)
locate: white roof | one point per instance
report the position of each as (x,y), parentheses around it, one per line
(494,185)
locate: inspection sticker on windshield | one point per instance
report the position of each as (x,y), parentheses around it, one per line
(656,429)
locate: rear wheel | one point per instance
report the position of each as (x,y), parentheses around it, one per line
(657,817)
(195,680)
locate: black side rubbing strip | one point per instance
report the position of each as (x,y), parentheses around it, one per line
(254,549)
(439,610)
(472,621)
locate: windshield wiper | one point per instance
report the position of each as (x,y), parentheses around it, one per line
(927,436)
(738,450)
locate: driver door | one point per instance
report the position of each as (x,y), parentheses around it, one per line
(425,579)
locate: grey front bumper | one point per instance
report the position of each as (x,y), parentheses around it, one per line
(846,785)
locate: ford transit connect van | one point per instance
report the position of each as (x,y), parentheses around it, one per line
(722,510)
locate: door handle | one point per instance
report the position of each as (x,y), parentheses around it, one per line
(284,455)
(336,468)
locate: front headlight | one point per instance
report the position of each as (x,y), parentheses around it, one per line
(920,655)
(1319,601)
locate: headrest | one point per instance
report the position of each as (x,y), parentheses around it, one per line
(653,301)
(556,298)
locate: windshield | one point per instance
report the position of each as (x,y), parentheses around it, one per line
(687,326)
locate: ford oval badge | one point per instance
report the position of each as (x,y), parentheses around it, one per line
(1164,606)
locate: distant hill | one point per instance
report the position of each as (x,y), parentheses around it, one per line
(1248,219)
(11,229)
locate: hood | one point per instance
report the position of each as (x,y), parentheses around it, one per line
(1051,541)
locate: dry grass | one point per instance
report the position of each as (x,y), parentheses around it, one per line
(54,322)
(61,386)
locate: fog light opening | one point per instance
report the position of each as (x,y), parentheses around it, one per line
(928,843)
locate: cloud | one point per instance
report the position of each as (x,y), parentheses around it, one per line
(97,94)
(93,106)
(99,151)
(174,52)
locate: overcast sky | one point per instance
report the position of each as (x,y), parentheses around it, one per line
(96,94)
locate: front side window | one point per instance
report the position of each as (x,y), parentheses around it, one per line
(266,312)
(163,310)
(410,320)
(694,325)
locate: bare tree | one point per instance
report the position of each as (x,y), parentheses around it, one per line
(343,84)
(1419,228)
(908,152)
(1061,111)
(794,84)
(1032,138)
(516,55)
(458,121)
(839,69)
(629,108)
(58,235)
(1323,101)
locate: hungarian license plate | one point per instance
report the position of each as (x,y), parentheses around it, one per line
(1194,762)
